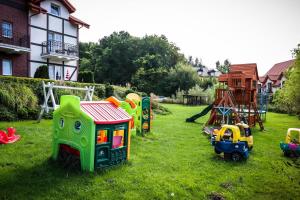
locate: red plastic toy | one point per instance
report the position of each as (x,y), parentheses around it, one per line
(10,137)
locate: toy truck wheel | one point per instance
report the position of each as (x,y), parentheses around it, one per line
(287,154)
(235,156)
(217,152)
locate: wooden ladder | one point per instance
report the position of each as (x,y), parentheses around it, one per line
(257,116)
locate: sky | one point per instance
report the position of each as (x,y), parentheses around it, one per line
(244,31)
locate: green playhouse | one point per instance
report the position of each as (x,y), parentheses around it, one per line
(140,110)
(95,134)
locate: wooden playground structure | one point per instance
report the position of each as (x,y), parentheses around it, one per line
(236,99)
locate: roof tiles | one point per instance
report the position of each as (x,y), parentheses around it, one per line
(103,112)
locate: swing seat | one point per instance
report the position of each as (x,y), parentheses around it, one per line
(10,137)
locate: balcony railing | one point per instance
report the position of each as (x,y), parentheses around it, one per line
(7,36)
(60,48)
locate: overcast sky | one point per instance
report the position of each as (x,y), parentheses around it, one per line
(244,31)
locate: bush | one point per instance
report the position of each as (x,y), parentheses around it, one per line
(109,90)
(42,72)
(17,102)
(159,109)
(86,77)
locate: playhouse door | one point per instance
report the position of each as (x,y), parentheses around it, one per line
(111,145)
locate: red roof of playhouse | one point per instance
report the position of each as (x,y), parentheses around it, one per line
(249,70)
(104,112)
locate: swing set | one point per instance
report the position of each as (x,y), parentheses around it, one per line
(49,95)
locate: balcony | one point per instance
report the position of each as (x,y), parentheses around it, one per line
(59,51)
(13,42)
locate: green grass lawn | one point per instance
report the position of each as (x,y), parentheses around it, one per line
(175,162)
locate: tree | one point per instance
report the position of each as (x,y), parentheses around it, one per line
(117,57)
(86,77)
(42,72)
(153,80)
(224,68)
(183,76)
(288,98)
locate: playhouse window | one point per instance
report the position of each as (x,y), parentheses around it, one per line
(237,82)
(102,136)
(118,138)
(61,123)
(77,125)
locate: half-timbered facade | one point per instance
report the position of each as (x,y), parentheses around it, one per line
(54,38)
(39,32)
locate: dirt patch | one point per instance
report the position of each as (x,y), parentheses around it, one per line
(216,196)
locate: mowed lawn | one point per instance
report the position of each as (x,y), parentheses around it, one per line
(176,161)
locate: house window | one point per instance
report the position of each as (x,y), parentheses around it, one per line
(7,30)
(259,88)
(269,90)
(7,67)
(55,42)
(55,72)
(55,10)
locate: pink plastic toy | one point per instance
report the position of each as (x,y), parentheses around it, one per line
(10,137)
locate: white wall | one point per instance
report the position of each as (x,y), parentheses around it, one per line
(282,80)
(37,35)
(35,53)
(71,63)
(71,70)
(70,40)
(64,13)
(39,20)
(70,29)
(55,24)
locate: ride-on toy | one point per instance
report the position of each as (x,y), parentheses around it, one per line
(10,137)
(228,140)
(291,147)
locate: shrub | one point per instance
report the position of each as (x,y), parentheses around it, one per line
(159,109)
(109,90)
(42,72)
(86,77)
(19,102)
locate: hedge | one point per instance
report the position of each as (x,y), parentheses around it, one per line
(35,85)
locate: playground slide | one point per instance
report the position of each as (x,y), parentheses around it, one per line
(201,114)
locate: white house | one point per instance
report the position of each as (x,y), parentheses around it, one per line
(275,78)
(54,38)
(205,72)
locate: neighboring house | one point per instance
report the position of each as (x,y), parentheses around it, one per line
(274,79)
(14,38)
(205,72)
(52,38)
